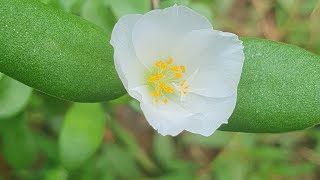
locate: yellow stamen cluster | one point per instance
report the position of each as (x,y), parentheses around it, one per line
(163,76)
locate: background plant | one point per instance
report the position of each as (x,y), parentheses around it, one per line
(47,138)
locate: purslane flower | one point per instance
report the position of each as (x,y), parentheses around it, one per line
(183,72)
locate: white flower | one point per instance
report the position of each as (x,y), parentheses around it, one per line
(183,73)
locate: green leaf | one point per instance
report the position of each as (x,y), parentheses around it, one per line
(130,143)
(121,162)
(124,7)
(287,4)
(18,144)
(281,16)
(81,134)
(279,89)
(53,3)
(203,9)
(234,156)
(176,176)
(71,5)
(14,96)
(98,13)
(47,146)
(223,7)
(268,153)
(291,170)
(57,173)
(308,7)
(57,53)
(164,150)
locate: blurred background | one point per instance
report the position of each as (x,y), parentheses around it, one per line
(43,137)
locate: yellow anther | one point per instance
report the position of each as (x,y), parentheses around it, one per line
(178,75)
(183,69)
(164,66)
(152,78)
(168,89)
(156,100)
(184,92)
(155,78)
(155,94)
(175,68)
(159,63)
(170,60)
(159,76)
(186,87)
(161,85)
(165,101)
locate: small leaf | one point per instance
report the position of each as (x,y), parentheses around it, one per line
(81,134)
(96,12)
(53,3)
(18,143)
(281,16)
(130,143)
(124,7)
(268,153)
(163,148)
(70,5)
(57,173)
(14,96)
(292,170)
(287,4)
(202,9)
(223,7)
(176,176)
(122,161)
(47,146)
(279,89)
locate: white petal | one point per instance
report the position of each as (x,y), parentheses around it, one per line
(218,57)
(129,68)
(142,94)
(214,111)
(122,31)
(197,114)
(157,32)
(168,119)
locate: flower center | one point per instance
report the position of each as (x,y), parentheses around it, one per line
(166,79)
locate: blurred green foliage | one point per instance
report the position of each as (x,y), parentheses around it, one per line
(46,138)
(14,96)
(81,134)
